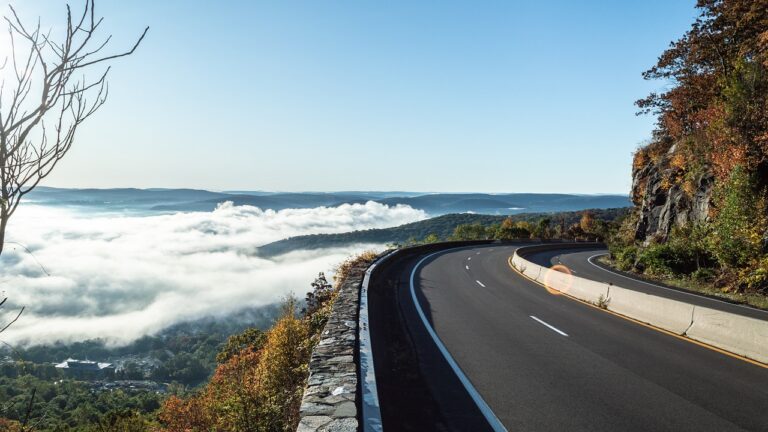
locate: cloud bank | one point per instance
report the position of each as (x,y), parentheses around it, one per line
(119,277)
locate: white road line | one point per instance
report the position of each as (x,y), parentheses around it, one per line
(488,413)
(469,259)
(467,267)
(550,326)
(665,288)
(480,283)
(477,253)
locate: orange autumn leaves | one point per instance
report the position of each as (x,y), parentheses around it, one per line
(260,382)
(714,116)
(253,390)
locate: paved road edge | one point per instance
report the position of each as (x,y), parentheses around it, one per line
(730,333)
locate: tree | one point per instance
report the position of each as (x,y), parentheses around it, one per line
(251,338)
(47,98)
(475,231)
(541,230)
(320,293)
(738,228)
(587,222)
(509,230)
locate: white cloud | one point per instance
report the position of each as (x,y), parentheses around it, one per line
(119,277)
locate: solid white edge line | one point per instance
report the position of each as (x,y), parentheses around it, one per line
(551,327)
(371,410)
(665,288)
(489,415)
(480,283)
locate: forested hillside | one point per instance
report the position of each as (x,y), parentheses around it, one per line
(437,228)
(700,184)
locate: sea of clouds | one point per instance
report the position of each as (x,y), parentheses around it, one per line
(117,277)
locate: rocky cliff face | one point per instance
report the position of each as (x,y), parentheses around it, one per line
(663,203)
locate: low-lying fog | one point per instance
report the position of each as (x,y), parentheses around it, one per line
(118,277)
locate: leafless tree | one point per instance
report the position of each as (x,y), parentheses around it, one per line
(45,96)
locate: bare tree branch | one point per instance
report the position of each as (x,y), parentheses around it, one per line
(21,311)
(47,86)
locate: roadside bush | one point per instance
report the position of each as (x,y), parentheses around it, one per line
(624,256)
(663,260)
(739,226)
(755,277)
(9,425)
(704,274)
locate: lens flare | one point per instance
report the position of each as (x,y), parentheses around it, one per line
(558,279)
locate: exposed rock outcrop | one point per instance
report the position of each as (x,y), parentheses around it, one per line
(663,204)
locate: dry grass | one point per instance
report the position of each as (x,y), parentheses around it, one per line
(341,272)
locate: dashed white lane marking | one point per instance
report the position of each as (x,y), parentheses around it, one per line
(469,259)
(467,267)
(480,283)
(473,393)
(551,327)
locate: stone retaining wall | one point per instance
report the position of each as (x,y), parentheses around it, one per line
(330,402)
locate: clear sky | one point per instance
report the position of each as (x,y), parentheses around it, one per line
(504,96)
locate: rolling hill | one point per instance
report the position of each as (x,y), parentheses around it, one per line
(442,226)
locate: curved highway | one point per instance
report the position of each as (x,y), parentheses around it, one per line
(529,360)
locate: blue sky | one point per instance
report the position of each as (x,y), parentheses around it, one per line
(361,95)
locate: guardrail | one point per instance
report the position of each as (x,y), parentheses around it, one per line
(747,337)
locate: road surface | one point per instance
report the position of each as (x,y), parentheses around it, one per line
(538,361)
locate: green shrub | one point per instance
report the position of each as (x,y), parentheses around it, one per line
(624,256)
(704,274)
(755,278)
(475,231)
(737,238)
(665,260)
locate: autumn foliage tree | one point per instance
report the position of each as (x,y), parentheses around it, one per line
(259,382)
(715,114)
(712,122)
(253,390)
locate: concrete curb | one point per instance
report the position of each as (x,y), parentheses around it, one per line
(744,336)
(741,335)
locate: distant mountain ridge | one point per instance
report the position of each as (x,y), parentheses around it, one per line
(441,226)
(158,199)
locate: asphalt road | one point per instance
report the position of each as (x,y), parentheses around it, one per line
(583,263)
(544,362)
